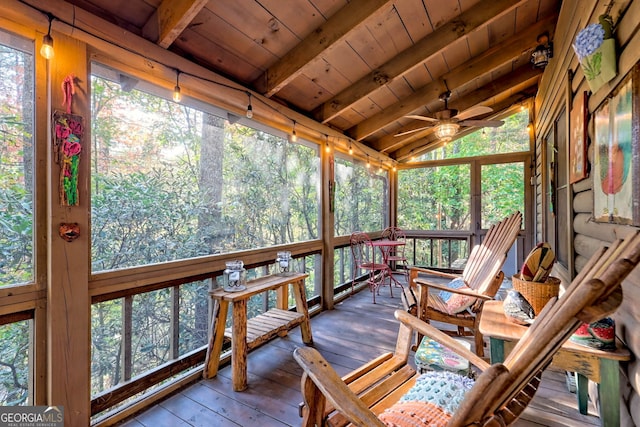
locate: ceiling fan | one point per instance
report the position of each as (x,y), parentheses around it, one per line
(448,121)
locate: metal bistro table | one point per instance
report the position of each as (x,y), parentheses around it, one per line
(599,366)
(246,334)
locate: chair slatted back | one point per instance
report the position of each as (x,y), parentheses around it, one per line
(487,258)
(360,248)
(395,233)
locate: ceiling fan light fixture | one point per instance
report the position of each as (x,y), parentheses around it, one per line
(446,131)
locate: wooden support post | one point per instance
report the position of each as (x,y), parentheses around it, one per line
(68,301)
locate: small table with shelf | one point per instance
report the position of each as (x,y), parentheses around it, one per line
(246,334)
(588,363)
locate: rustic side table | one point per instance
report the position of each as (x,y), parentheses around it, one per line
(599,366)
(246,334)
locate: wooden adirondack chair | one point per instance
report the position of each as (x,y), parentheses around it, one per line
(502,391)
(482,275)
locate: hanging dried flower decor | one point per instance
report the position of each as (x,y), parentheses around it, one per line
(68,132)
(596,50)
(67,145)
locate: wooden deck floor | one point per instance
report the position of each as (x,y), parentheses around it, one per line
(353,333)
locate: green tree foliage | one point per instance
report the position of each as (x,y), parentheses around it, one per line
(152,199)
(16,166)
(14,363)
(360,198)
(16,208)
(435,198)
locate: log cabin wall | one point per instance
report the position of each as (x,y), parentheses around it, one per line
(573,221)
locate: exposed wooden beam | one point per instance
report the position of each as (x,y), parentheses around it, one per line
(480,14)
(322,38)
(519,76)
(488,60)
(170,20)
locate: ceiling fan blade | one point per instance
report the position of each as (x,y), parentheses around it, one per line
(411,131)
(473,111)
(425,118)
(482,123)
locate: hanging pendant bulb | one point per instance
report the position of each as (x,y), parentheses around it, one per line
(368,162)
(326,144)
(249,113)
(47,42)
(350,148)
(294,137)
(177,96)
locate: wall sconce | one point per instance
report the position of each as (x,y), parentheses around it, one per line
(47,41)
(446,131)
(543,52)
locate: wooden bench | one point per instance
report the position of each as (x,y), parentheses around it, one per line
(247,334)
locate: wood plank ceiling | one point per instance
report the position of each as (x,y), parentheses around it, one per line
(358,66)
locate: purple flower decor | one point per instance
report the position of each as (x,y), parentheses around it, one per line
(595,48)
(588,40)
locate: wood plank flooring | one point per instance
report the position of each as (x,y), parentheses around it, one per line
(351,334)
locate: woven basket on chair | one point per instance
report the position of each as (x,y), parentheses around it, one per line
(537,293)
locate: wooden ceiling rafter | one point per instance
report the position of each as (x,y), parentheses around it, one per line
(475,17)
(170,20)
(506,51)
(318,41)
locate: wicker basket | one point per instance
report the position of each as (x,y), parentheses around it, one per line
(538,294)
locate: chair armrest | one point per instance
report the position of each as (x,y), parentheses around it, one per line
(435,272)
(333,388)
(444,287)
(440,337)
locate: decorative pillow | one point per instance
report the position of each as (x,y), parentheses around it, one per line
(414,414)
(600,334)
(456,303)
(431,355)
(454,284)
(517,308)
(432,401)
(537,266)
